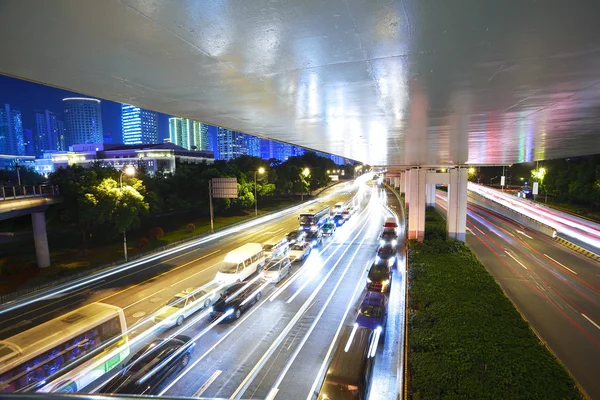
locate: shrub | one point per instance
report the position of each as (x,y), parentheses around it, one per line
(11,265)
(143,242)
(156,233)
(189,228)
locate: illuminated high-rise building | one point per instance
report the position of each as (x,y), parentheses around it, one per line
(139,126)
(83,121)
(231,144)
(192,135)
(11,131)
(50,132)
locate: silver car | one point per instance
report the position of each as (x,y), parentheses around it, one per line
(299,252)
(184,304)
(277,269)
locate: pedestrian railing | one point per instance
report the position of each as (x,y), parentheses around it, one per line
(20,192)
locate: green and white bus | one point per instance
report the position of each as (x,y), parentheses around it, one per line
(72,342)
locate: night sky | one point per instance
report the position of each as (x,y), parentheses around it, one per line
(29,97)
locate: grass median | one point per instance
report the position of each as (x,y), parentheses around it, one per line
(466,339)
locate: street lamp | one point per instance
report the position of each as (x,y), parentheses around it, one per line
(128,170)
(305,172)
(261,171)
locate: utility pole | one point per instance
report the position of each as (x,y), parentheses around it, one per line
(212,228)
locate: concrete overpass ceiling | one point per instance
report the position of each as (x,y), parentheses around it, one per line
(385,82)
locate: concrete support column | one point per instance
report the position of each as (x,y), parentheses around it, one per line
(407,189)
(396,182)
(456,221)
(40,239)
(430,195)
(416,211)
(402,182)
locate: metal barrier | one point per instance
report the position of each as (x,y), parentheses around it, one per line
(21,192)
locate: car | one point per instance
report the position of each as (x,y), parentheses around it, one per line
(346,214)
(277,269)
(275,248)
(387,254)
(315,238)
(379,278)
(339,220)
(296,236)
(150,368)
(328,228)
(299,252)
(388,237)
(372,312)
(236,299)
(184,304)
(390,223)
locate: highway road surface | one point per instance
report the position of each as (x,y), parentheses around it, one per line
(556,289)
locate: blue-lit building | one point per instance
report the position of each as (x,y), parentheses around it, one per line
(189,134)
(83,120)
(253,146)
(231,144)
(139,126)
(11,131)
(49,133)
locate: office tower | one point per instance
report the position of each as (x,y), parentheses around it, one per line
(29,142)
(11,131)
(252,146)
(230,144)
(139,126)
(50,132)
(83,121)
(266,149)
(192,135)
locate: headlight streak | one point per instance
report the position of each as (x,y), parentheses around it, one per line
(246,286)
(261,287)
(375,342)
(250,377)
(351,337)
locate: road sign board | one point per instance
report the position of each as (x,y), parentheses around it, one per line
(224,188)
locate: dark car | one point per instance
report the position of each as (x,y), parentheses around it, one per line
(236,299)
(339,220)
(372,312)
(387,254)
(379,278)
(388,237)
(296,236)
(150,368)
(314,238)
(328,228)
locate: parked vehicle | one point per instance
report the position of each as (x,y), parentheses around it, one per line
(348,375)
(339,220)
(372,312)
(379,278)
(236,299)
(275,248)
(387,254)
(277,268)
(296,236)
(240,263)
(150,368)
(299,252)
(184,304)
(328,229)
(315,239)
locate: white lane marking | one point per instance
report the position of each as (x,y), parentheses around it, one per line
(565,267)
(199,272)
(252,374)
(511,256)
(210,380)
(132,304)
(272,232)
(592,322)
(524,234)
(272,394)
(471,231)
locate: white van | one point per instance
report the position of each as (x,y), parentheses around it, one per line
(240,263)
(276,248)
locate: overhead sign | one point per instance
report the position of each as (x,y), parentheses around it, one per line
(224,188)
(535,188)
(334,178)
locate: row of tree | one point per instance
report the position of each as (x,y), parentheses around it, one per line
(104,201)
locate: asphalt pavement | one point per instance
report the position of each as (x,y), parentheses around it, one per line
(556,289)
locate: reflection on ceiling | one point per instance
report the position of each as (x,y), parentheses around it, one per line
(406,82)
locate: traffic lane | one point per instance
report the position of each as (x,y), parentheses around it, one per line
(55,306)
(571,337)
(247,338)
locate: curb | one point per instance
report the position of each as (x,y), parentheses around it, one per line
(578,249)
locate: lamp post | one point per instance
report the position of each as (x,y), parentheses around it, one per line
(305,172)
(128,170)
(261,171)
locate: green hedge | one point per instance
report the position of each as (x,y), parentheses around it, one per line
(466,339)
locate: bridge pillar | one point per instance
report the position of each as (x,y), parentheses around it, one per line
(416,210)
(402,182)
(40,239)
(456,221)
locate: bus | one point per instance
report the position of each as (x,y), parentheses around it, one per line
(313,220)
(349,373)
(74,341)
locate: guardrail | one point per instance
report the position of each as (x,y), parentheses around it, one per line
(25,191)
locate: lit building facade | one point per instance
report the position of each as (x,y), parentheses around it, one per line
(139,126)
(231,144)
(49,133)
(189,134)
(83,120)
(11,131)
